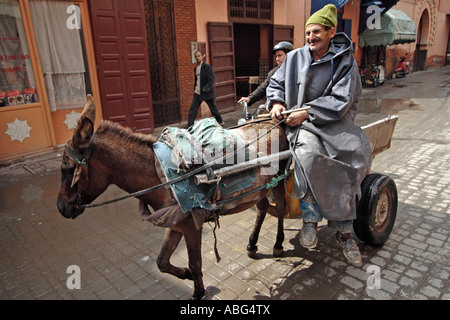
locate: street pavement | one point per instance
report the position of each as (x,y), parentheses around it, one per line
(114,252)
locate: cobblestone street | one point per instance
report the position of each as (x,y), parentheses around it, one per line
(116,251)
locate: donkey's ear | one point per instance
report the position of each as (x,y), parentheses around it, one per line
(85,128)
(89,108)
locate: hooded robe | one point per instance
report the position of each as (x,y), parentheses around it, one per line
(332,155)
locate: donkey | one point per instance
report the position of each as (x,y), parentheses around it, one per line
(116,155)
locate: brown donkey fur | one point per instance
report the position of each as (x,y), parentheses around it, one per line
(126,159)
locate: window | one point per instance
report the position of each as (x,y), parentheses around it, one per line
(250,10)
(61,50)
(17,83)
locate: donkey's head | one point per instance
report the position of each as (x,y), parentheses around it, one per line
(74,190)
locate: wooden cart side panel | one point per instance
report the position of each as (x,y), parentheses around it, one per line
(380,134)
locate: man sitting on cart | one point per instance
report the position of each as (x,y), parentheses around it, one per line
(332,155)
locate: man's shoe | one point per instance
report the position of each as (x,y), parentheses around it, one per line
(350,248)
(308,237)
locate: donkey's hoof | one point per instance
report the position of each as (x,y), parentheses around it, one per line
(251,250)
(251,253)
(198,295)
(277,252)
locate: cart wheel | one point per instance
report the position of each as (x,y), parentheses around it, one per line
(377,209)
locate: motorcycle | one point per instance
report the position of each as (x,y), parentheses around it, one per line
(247,114)
(402,68)
(374,76)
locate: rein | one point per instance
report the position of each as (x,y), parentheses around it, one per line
(170,182)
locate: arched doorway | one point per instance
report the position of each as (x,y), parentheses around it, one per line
(420,54)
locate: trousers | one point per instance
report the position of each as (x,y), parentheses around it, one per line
(193,110)
(311,213)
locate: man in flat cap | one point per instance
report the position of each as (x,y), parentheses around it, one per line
(332,155)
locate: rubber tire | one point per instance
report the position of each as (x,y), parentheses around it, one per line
(399,74)
(377,191)
(375,82)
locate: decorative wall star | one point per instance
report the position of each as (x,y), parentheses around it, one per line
(18,130)
(72,120)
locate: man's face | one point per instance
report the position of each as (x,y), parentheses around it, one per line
(198,57)
(280,55)
(318,38)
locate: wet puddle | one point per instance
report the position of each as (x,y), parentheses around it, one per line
(371,110)
(386,106)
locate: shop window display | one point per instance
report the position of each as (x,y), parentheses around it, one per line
(17,83)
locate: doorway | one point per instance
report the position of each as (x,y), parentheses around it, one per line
(251,56)
(162,55)
(224,49)
(420,54)
(447,57)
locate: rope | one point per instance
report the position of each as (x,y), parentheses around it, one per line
(216,224)
(274,182)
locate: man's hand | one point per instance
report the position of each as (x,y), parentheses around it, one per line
(296,118)
(246,99)
(276,111)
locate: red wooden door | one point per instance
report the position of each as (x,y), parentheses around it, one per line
(122,57)
(221,48)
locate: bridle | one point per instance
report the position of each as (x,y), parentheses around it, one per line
(84,157)
(82,162)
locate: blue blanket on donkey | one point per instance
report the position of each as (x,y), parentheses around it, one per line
(178,150)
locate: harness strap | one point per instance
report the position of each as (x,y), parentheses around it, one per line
(82,158)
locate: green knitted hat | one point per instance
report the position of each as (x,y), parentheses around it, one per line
(327,16)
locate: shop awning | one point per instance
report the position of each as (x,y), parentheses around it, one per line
(396,28)
(319,4)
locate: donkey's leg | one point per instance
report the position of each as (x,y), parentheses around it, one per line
(171,240)
(280,209)
(261,210)
(193,239)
